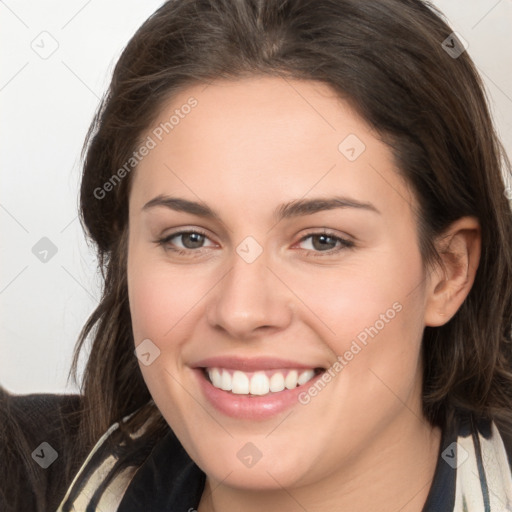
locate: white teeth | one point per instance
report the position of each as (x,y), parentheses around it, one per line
(305,376)
(225,383)
(290,380)
(257,383)
(276,382)
(216,377)
(240,383)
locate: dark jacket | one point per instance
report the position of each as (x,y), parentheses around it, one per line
(28,425)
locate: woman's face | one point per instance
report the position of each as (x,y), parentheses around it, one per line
(290,246)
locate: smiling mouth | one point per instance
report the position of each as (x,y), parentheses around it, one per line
(260,382)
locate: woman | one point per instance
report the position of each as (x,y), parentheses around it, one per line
(307,250)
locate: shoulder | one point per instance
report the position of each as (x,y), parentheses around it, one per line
(505,432)
(491,436)
(31,408)
(484,471)
(138,464)
(38,433)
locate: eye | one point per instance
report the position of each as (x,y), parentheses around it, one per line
(318,244)
(325,242)
(188,241)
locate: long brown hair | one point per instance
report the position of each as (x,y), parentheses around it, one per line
(387,58)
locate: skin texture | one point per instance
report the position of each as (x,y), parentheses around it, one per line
(248,146)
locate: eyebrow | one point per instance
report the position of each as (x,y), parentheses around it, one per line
(297,208)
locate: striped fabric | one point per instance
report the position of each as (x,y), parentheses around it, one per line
(483,482)
(473,474)
(94,470)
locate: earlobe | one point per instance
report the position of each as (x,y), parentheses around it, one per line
(449,284)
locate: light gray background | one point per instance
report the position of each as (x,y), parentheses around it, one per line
(57,58)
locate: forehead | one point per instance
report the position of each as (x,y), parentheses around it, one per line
(261,139)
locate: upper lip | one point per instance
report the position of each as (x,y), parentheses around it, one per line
(251,364)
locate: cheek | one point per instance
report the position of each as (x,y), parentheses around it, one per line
(161,297)
(363,297)
(371,317)
(164,305)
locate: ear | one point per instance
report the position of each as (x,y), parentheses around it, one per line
(449,284)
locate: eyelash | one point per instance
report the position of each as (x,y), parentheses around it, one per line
(345,244)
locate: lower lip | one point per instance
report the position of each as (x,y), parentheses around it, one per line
(251,407)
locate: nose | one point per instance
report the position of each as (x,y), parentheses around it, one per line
(250,300)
